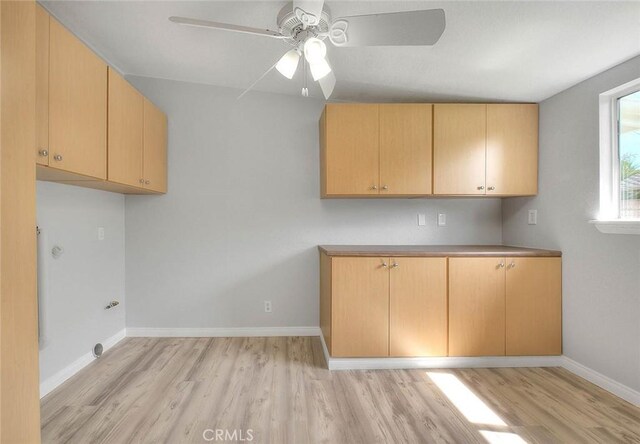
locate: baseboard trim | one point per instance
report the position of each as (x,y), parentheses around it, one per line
(602,381)
(438,362)
(50,384)
(144,332)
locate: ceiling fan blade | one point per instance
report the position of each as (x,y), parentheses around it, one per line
(226,27)
(327,83)
(308,11)
(411,28)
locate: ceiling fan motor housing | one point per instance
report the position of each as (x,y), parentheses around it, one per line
(294,29)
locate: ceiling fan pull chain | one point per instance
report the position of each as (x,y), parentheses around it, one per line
(305,90)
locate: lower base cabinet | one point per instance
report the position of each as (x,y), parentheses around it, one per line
(437,306)
(360,307)
(387,306)
(418,307)
(534,306)
(476,306)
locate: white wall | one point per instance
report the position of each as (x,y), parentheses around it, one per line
(88,275)
(601,273)
(243,216)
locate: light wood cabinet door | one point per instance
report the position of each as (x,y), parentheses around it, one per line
(360,307)
(476,306)
(418,307)
(350,150)
(155,148)
(42,86)
(459,148)
(77,105)
(512,149)
(405,148)
(125,132)
(534,306)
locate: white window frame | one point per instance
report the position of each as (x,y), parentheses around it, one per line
(609,220)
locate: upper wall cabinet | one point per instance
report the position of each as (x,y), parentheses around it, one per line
(349,136)
(376,150)
(77,106)
(404,150)
(512,149)
(486,149)
(155,148)
(126,113)
(93,128)
(459,149)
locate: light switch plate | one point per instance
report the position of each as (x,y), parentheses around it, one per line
(422,220)
(100,233)
(533,217)
(442,219)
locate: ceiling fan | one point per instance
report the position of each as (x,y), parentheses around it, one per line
(306,24)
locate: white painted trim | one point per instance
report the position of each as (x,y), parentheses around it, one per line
(142,332)
(443,362)
(325,350)
(49,384)
(617,226)
(602,381)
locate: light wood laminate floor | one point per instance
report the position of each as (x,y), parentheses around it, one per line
(277,390)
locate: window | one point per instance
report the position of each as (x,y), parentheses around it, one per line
(628,132)
(620,160)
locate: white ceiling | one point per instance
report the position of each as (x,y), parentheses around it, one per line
(512,51)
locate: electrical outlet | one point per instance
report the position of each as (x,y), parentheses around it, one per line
(100,233)
(442,219)
(422,220)
(267,306)
(533,217)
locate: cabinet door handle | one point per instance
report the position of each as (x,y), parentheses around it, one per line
(147,182)
(384,265)
(43,152)
(385,187)
(395,265)
(57,157)
(512,265)
(481,187)
(501,265)
(491,188)
(374,187)
(141,180)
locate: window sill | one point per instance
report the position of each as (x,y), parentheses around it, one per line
(617,226)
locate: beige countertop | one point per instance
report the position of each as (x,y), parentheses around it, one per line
(435,250)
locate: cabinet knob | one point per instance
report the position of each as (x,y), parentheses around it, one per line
(481,187)
(43,152)
(141,180)
(385,187)
(384,265)
(395,265)
(374,187)
(147,182)
(501,265)
(512,265)
(57,157)
(491,188)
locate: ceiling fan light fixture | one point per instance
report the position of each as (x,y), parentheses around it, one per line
(314,50)
(319,69)
(288,63)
